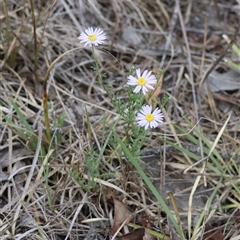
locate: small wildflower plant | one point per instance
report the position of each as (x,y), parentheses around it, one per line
(138,116)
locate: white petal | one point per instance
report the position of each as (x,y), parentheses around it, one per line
(148,86)
(148,74)
(146,126)
(137,89)
(144,73)
(148,109)
(138,71)
(144,90)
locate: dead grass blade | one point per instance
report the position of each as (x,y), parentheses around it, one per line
(199,177)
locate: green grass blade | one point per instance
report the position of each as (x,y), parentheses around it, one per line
(21,116)
(205,210)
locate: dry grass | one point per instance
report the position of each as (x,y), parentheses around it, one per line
(185,39)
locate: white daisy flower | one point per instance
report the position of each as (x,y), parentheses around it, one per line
(142,82)
(92,37)
(146,118)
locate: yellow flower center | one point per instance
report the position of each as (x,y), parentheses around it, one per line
(141,81)
(92,37)
(149,117)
